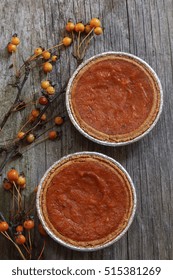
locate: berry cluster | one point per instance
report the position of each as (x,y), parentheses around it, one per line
(28,137)
(83,34)
(14,179)
(94,25)
(49,56)
(12,45)
(37,118)
(48,87)
(18,230)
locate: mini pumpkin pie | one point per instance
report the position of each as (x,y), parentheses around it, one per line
(114,98)
(86,201)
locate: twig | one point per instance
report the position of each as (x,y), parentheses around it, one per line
(78,44)
(13,201)
(41,253)
(9,154)
(27,250)
(2,217)
(25,124)
(24,106)
(17,247)
(29,239)
(86,46)
(19,87)
(19,198)
(32,128)
(86,37)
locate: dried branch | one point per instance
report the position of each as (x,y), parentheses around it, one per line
(81,41)
(17,99)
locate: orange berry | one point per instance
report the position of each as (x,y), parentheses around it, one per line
(45,84)
(20,135)
(50,90)
(47,67)
(43,117)
(30,138)
(58,120)
(54,58)
(46,55)
(70,26)
(3,226)
(52,135)
(42,230)
(7,185)
(20,239)
(88,28)
(21,182)
(11,48)
(38,51)
(28,224)
(95,22)
(35,113)
(12,175)
(19,228)
(67,41)
(43,100)
(98,30)
(79,27)
(15,40)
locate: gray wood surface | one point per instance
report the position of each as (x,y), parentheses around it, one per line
(143,28)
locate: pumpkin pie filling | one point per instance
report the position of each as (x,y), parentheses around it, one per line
(87,201)
(114,98)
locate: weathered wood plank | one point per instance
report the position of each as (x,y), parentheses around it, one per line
(144,28)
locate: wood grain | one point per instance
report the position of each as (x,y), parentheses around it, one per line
(143,28)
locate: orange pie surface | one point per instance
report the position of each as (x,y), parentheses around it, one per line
(87,201)
(114,98)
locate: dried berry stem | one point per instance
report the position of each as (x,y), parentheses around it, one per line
(41,253)
(86,37)
(14,197)
(54,47)
(24,106)
(2,217)
(27,250)
(78,44)
(19,197)
(32,128)
(25,124)
(30,241)
(17,247)
(35,144)
(13,201)
(86,46)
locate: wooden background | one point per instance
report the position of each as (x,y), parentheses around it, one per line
(140,27)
